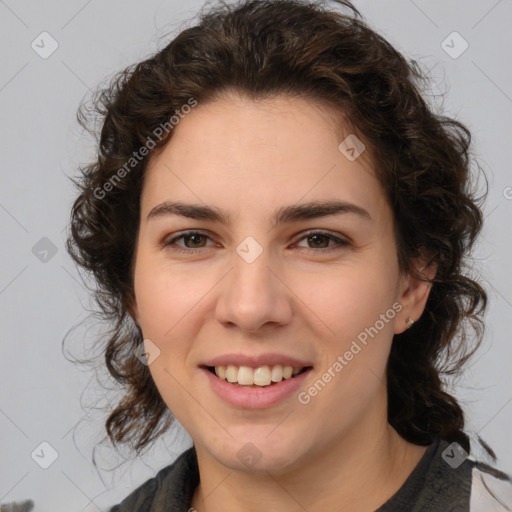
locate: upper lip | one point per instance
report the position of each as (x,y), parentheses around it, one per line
(255,361)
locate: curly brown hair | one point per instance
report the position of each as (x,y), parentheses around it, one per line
(262,48)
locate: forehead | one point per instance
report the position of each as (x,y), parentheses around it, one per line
(238,153)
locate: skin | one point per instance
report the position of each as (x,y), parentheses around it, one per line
(250,159)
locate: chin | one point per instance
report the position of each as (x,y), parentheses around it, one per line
(259,452)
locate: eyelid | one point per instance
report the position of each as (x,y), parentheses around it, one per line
(169,240)
(334,236)
(342,241)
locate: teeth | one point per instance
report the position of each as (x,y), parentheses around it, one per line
(261,376)
(245,376)
(231,373)
(277,373)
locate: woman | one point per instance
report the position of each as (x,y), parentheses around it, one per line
(278,227)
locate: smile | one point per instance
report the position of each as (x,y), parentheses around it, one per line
(261,376)
(288,381)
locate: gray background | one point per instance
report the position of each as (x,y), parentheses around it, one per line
(45,398)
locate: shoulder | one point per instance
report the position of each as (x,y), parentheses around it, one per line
(447,480)
(488,489)
(491,490)
(172,486)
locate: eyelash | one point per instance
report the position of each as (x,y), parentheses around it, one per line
(340,241)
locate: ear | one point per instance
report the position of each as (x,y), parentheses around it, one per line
(133,310)
(413,294)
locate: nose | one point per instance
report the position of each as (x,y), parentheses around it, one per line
(254,296)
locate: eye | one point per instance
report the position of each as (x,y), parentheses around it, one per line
(320,241)
(191,240)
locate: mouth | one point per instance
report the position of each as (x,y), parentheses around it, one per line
(256,381)
(259,377)
(255,387)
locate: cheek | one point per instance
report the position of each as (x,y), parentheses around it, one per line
(357,306)
(356,303)
(165,296)
(165,300)
(351,298)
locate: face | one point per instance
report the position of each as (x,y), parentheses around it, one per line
(263,246)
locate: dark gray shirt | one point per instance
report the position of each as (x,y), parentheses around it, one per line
(433,486)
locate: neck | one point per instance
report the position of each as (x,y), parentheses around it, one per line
(336,478)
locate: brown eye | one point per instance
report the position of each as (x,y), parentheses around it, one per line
(321,242)
(195,240)
(187,242)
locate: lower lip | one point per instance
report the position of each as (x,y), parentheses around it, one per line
(255,398)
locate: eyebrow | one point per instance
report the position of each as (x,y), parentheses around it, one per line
(284,215)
